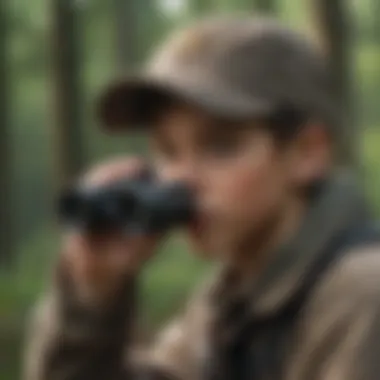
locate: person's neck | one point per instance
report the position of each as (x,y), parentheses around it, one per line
(254,255)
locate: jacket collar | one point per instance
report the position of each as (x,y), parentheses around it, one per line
(338,205)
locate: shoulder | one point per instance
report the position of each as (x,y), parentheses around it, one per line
(355,277)
(349,291)
(340,323)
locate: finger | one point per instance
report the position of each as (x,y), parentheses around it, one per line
(114,170)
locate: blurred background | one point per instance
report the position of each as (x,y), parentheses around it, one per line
(56,55)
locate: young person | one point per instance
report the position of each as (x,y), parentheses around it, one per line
(243,111)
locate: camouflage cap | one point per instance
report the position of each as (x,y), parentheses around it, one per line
(232,67)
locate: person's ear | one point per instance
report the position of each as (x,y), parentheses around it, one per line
(312,154)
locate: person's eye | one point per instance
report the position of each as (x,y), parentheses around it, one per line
(223,146)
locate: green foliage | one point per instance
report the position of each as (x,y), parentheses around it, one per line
(371,158)
(172,274)
(368,82)
(168,281)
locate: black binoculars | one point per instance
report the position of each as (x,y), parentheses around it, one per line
(139,205)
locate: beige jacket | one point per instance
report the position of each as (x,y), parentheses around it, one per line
(336,336)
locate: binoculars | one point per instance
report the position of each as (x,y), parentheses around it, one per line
(138,205)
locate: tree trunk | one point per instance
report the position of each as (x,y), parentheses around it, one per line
(333,22)
(126,18)
(6,231)
(375,25)
(266,6)
(68,118)
(375,38)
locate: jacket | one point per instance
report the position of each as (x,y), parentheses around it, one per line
(336,335)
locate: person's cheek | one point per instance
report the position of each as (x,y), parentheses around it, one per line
(241,184)
(226,199)
(251,196)
(249,174)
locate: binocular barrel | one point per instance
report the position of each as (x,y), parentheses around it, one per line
(131,205)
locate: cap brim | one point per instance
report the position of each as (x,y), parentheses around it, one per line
(136,102)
